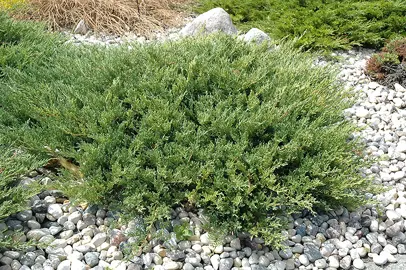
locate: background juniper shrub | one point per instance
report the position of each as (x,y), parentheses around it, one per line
(388,66)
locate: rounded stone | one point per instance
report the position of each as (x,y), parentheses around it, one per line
(256,35)
(345,263)
(24,215)
(92,258)
(304,260)
(28,258)
(334,262)
(37,234)
(254,258)
(99,239)
(236,243)
(188,266)
(7,267)
(286,253)
(64,265)
(197,248)
(312,252)
(69,225)
(380,260)
(171,266)
(55,210)
(226,264)
(32,224)
(362,251)
(12,254)
(391,249)
(6,260)
(214,20)
(75,217)
(320,263)
(183,245)
(59,243)
(76,264)
(218,249)
(264,261)
(215,261)
(393,215)
(358,264)
(15,265)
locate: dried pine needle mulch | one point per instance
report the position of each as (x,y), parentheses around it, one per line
(110,16)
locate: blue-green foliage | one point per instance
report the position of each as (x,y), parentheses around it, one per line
(236,129)
(324,24)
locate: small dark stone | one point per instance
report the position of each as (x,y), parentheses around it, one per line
(322,230)
(39,206)
(190,253)
(399,238)
(134,266)
(288,243)
(301,230)
(92,209)
(56,193)
(366,221)
(305,212)
(364,231)
(40,217)
(332,233)
(49,224)
(112,214)
(176,255)
(312,229)
(43,194)
(355,224)
(317,220)
(296,215)
(251,244)
(14,224)
(312,252)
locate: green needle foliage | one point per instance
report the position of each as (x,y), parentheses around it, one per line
(324,24)
(21,45)
(14,197)
(243,132)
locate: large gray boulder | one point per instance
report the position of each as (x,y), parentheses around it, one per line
(256,35)
(214,20)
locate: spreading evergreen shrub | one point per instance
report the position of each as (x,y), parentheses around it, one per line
(13,164)
(388,66)
(14,197)
(19,45)
(324,24)
(243,132)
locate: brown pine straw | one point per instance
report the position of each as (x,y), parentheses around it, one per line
(108,16)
